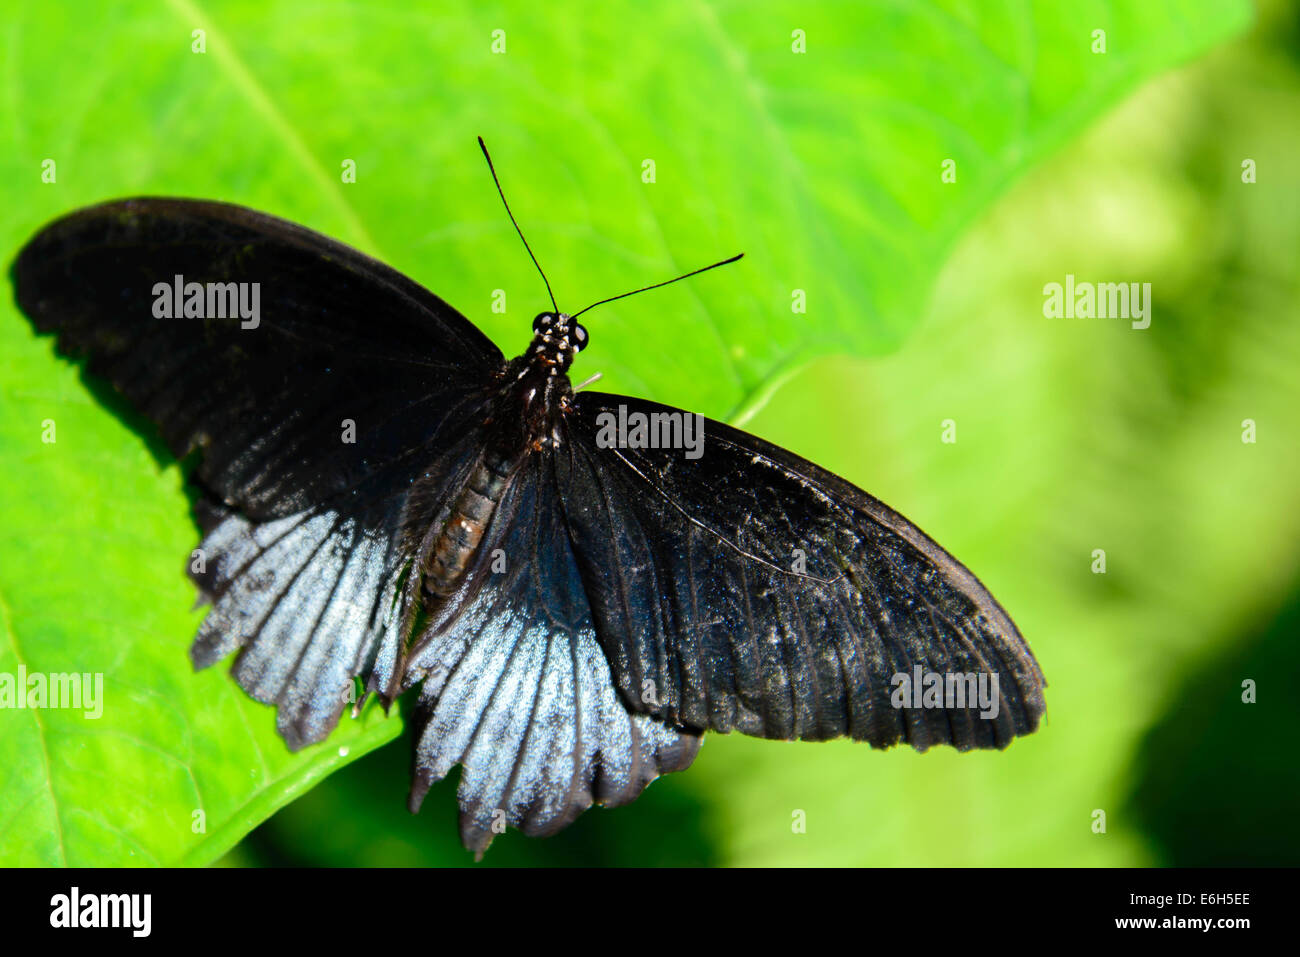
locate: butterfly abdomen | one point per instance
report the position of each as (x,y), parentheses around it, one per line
(463,531)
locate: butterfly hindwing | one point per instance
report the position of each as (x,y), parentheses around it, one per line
(517,689)
(750,590)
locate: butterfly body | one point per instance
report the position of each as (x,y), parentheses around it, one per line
(573,616)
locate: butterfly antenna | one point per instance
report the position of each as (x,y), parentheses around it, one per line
(492,169)
(666,282)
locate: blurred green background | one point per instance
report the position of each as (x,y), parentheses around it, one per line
(925,304)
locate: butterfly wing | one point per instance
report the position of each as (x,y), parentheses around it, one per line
(517,689)
(312,422)
(750,590)
(340,337)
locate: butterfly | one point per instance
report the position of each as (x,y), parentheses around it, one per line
(383,497)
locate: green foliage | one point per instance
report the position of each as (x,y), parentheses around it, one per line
(825,168)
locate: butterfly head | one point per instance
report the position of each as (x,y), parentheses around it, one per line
(557,338)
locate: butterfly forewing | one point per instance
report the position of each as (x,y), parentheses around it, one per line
(750,590)
(339,340)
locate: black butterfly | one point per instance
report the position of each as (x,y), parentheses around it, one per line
(576,613)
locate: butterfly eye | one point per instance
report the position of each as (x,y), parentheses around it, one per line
(579,337)
(543,322)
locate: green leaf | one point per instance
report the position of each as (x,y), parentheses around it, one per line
(824,167)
